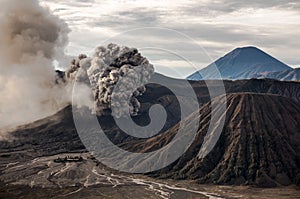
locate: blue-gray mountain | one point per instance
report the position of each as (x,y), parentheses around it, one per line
(247,63)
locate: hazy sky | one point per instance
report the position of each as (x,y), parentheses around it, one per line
(217,25)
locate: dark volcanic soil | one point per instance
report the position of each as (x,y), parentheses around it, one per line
(259,144)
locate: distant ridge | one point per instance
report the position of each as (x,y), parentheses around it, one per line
(241,63)
(286,75)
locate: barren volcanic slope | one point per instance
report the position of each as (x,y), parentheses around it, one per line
(258,145)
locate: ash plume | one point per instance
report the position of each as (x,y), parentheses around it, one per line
(102,72)
(31,39)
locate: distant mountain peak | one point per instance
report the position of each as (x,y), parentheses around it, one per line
(241,63)
(248,48)
(245,48)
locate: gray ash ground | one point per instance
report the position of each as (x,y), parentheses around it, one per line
(86,178)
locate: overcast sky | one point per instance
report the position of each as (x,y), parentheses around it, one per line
(218,26)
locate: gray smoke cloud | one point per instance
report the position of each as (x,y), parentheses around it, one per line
(108,66)
(27,30)
(31,39)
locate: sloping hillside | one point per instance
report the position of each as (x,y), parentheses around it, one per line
(241,63)
(259,144)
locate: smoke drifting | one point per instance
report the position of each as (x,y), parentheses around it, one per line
(31,38)
(27,30)
(108,66)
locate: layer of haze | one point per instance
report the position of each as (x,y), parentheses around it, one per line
(31,39)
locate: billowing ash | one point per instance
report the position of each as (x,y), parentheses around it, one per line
(108,66)
(29,30)
(31,38)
